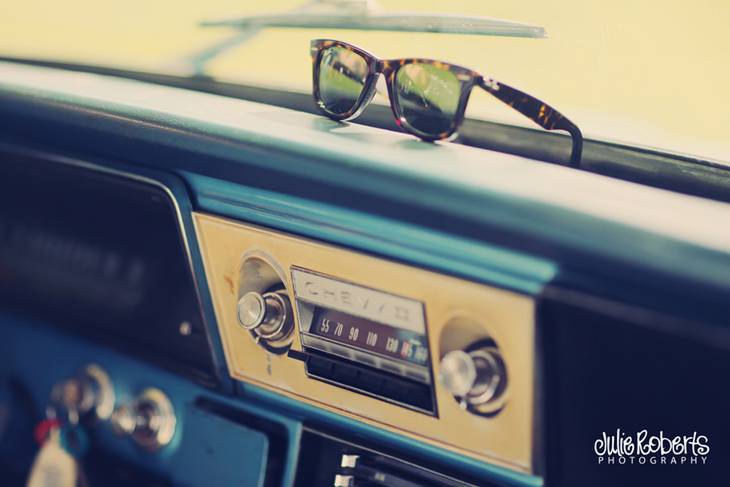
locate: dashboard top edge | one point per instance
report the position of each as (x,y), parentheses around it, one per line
(345,148)
(562,215)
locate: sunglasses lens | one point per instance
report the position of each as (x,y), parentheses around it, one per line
(428,97)
(342,75)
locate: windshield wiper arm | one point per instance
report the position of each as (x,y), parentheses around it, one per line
(355,15)
(371,20)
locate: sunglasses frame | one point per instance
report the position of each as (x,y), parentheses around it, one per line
(539,112)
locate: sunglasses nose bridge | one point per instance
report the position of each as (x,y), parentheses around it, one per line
(381,86)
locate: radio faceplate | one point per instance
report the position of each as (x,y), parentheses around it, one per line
(435,314)
(364,339)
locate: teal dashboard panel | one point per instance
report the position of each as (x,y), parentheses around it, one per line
(98,171)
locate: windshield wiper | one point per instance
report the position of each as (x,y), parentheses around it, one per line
(354,15)
(366,15)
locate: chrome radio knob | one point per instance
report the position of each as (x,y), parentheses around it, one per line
(149,420)
(458,373)
(268,316)
(477,379)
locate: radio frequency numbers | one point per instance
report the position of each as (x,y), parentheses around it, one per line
(374,337)
(354,332)
(325,324)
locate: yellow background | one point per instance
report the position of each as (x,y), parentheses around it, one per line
(649,72)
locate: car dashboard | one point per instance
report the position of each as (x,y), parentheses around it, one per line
(222,292)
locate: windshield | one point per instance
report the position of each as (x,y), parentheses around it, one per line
(648,73)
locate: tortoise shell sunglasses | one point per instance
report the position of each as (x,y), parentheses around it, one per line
(428,98)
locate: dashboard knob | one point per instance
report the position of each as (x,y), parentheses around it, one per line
(477,379)
(90,392)
(149,420)
(458,373)
(268,316)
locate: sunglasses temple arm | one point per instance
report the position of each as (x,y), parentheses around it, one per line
(541,113)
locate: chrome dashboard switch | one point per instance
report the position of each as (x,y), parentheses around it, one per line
(477,378)
(90,392)
(149,420)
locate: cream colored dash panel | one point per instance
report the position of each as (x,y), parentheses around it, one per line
(506,439)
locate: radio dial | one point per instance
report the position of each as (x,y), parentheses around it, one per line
(268,316)
(477,379)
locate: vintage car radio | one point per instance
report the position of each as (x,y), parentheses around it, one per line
(364,339)
(442,359)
